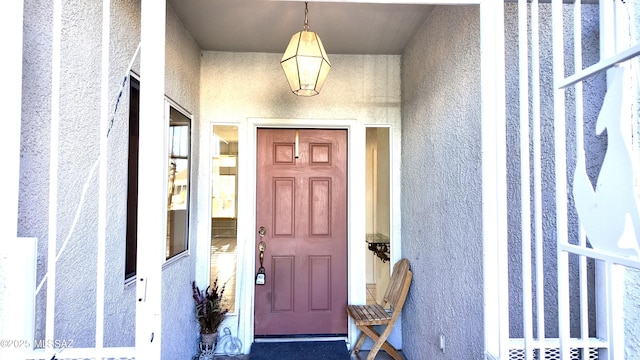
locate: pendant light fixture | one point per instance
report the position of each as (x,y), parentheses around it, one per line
(305,63)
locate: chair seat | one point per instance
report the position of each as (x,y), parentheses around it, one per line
(373,314)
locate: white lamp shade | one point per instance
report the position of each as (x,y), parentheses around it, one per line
(305,63)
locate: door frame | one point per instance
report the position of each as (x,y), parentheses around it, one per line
(355,220)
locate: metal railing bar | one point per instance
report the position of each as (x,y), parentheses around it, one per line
(559,115)
(525,186)
(598,255)
(579,121)
(549,343)
(598,67)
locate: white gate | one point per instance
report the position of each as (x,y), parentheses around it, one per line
(595,183)
(18,255)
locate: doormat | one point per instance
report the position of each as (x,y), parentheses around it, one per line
(300,350)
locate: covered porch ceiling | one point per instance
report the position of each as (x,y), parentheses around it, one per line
(267,25)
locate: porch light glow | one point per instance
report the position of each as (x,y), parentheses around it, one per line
(305,63)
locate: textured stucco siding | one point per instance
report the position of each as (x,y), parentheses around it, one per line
(439,302)
(431,96)
(180,333)
(119,300)
(35,135)
(79,118)
(632,314)
(236,86)
(77,153)
(441,186)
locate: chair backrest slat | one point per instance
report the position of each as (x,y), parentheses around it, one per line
(397,282)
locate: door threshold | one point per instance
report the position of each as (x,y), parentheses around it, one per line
(292,338)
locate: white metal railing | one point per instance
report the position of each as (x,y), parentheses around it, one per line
(18,342)
(494,193)
(535,344)
(549,349)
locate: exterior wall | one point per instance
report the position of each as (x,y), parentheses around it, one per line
(441,179)
(238,86)
(632,314)
(447,80)
(77,152)
(180,332)
(441,187)
(35,137)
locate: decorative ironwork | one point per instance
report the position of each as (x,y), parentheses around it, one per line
(379,245)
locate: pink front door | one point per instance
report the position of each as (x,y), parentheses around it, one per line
(302,207)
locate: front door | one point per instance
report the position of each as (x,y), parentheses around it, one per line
(302,220)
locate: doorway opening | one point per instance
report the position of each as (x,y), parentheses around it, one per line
(378,212)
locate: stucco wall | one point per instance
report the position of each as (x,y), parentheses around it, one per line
(182,84)
(35,137)
(78,151)
(236,86)
(442,71)
(632,314)
(441,186)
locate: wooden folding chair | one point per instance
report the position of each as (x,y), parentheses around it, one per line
(366,316)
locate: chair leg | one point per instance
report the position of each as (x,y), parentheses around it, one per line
(359,343)
(381,342)
(392,351)
(370,332)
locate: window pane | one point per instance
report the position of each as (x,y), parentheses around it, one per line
(178,188)
(378,207)
(132,180)
(224,200)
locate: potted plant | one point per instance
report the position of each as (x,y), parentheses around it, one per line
(210,312)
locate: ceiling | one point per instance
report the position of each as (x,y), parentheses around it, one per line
(267,25)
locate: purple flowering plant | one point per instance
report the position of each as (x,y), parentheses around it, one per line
(210,310)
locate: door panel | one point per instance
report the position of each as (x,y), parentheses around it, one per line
(320,283)
(320,206)
(283,284)
(301,201)
(284,209)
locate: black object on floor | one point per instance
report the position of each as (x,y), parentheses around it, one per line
(300,350)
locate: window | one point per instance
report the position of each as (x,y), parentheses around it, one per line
(177,239)
(132,179)
(224,199)
(178,182)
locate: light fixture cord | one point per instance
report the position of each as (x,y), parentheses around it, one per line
(306,16)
